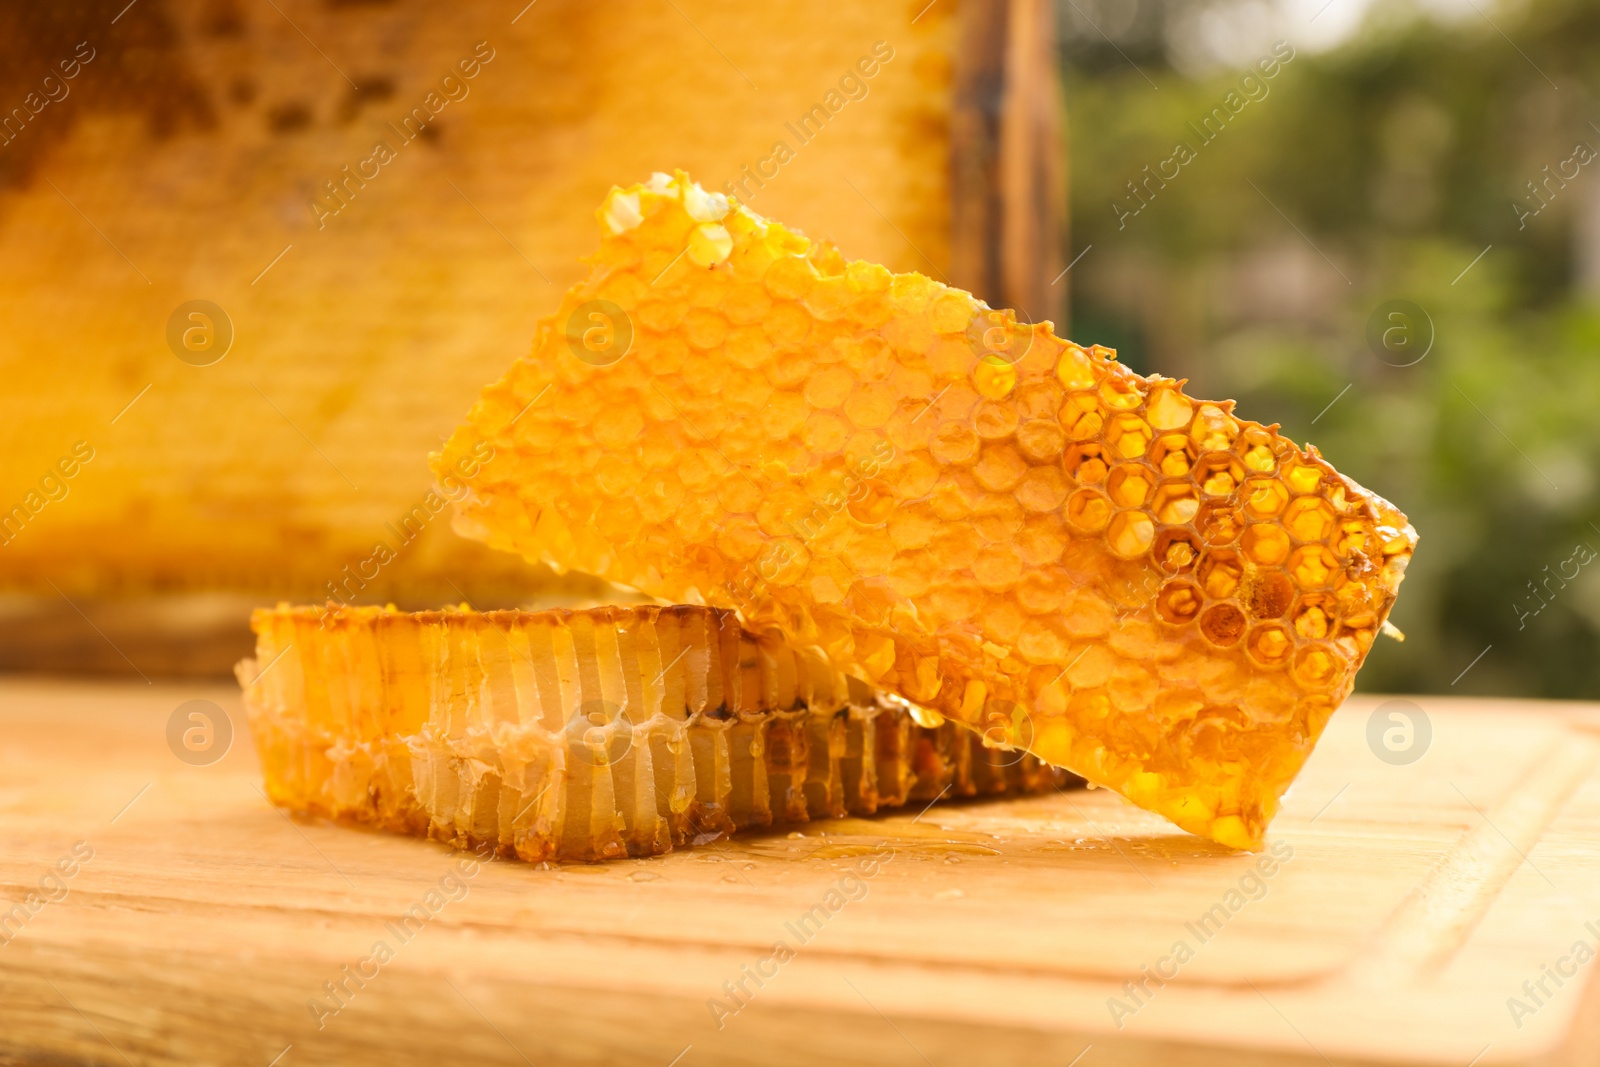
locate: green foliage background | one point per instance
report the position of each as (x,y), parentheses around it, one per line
(1375,172)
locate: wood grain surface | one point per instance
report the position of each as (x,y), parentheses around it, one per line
(1404,906)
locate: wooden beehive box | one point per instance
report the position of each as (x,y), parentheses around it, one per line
(382,199)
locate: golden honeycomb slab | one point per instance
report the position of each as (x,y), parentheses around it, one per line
(968,511)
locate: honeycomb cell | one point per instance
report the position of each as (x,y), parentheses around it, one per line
(1256,447)
(1128,436)
(1130,484)
(1220,572)
(1088,511)
(1038,398)
(1213,429)
(1270,645)
(870,407)
(826,433)
(1311,617)
(1175,549)
(1042,489)
(787,324)
(1265,544)
(1303,477)
(747,303)
(995,421)
(1130,534)
(1041,440)
(1076,368)
(1267,595)
(1087,463)
(993,377)
(1179,602)
(1038,593)
(1353,538)
(790,277)
(705,329)
(999,468)
(997,568)
(1175,503)
(1218,474)
(1121,393)
(1081,416)
(1168,409)
(949,313)
(747,347)
(1218,524)
(1172,455)
(709,244)
(1313,567)
(998,517)
(1264,498)
(953,444)
(789,370)
(1316,667)
(1333,492)
(1309,519)
(872,502)
(1222,624)
(1352,604)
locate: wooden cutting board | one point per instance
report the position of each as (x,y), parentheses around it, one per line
(1406,904)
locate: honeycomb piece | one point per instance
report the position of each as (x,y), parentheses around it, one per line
(586,735)
(994,523)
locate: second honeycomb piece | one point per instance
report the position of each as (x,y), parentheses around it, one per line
(585,735)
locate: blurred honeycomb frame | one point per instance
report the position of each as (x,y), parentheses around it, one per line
(356,298)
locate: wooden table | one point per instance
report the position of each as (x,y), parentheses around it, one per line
(1416,901)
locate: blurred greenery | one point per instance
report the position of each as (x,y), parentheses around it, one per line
(1372,172)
